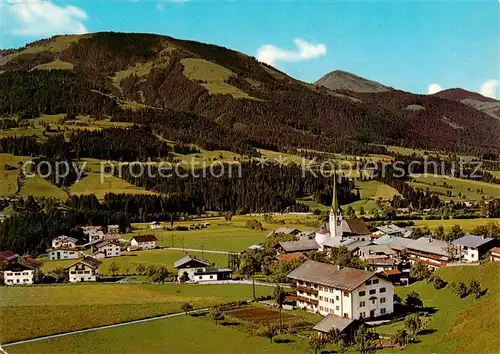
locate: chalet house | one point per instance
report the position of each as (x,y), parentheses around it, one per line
(64,241)
(199,270)
(346,292)
(287,231)
(472,247)
(63,253)
(109,248)
(433,253)
(113,229)
(93,233)
(24,271)
(495,254)
(86,269)
(143,242)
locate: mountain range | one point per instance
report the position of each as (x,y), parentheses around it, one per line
(220,98)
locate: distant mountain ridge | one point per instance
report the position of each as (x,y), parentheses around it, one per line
(482,103)
(343,80)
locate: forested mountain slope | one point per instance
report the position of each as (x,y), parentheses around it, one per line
(214,96)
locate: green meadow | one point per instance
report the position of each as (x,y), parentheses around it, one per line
(34,311)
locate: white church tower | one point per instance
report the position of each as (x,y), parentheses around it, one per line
(336,218)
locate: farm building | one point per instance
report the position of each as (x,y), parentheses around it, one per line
(495,254)
(155,225)
(345,326)
(24,271)
(344,292)
(472,247)
(86,269)
(199,270)
(143,242)
(8,257)
(303,246)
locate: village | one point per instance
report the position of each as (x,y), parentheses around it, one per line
(343,271)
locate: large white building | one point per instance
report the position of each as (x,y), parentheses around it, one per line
(86,269)
(64,241)
(198,270)
(473,247)
(109,248)
(63,247)
(143,242)
(345,292)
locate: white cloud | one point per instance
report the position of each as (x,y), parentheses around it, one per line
(490,88)
(434,88)
(270,54)
(43,18)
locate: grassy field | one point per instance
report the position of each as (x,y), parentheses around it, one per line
(91,184)
(466,224)
(8,183)
(55,64)
(225,236)
(184,334)
(40,187)
(212,75)
(461,325)
(28,312)
(370,191)
(131,260)
(467,188)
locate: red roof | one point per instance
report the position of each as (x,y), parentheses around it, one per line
(286,257)
(495,250)
(391,272)
(8,256)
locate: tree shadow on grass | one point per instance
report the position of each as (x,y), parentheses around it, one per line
(230,323)
(283,340)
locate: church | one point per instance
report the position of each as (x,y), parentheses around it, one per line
(337,228)
(332,232)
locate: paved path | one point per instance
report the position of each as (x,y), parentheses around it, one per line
(98,328)
(195,250)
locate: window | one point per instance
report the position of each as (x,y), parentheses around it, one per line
(382,310)
(363,314)
(321,298)
(373,291)
(337,308)
(346,294)
(211,277)
(331,300)
(375,281)
(362,304)
(199,277)
(382,290)
(336,297)
(382,300)
(362,293)
(368,282)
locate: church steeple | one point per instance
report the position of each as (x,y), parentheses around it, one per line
(335,212)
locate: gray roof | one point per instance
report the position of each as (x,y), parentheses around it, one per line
(350,226)
(299,246)
(391,228)
(186,259)
(473,241)
(333,321)
(286,230)
(305,234)
(87,260)
(400,243)
(337,242)
(105,243)
(373,250)
(330,275)
(429,245)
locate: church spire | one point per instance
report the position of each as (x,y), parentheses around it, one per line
(335,202)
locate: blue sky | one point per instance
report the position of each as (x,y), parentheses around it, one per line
(407,45)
